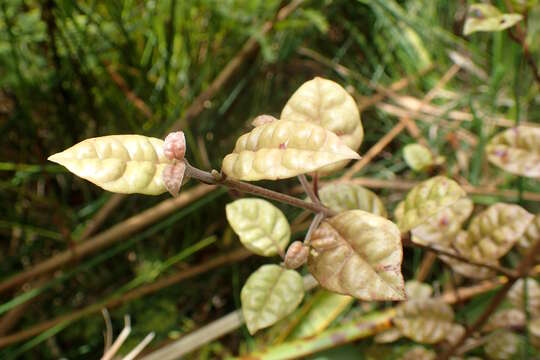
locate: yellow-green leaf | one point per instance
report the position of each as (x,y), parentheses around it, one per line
(342,197)
(426,321)
(515,295)
(417,156)
(517,151)
(270,294)
(503,345)
(427,199)
(493,232)
(357,253)
(326,103)
(442,227)
(283,149)
(486,17)
(118,163)
(261,227)
(325,308)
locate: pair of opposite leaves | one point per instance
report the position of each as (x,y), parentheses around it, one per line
(320,129)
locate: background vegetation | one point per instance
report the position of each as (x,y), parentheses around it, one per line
(71,70)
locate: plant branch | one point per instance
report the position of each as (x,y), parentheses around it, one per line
(500,269)
(215,178)
(522,270)
(312,227)
(308,189)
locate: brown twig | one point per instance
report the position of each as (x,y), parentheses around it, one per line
(208,178)
(500,269)
(308,189)
(522,270)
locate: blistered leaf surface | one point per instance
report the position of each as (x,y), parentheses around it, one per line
(515,295)
(357,253)
(486,17)
(326,307)
(417,156)
(261,227)
(425,321)
(270,294)
(502,345)
(326,103)
(427,199)
(530,237)
(493,232)
(342,197)
(517,151)
(283,149)
(506,318)
(118,163)
(441,228)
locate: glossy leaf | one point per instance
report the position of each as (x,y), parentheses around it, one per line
(515,295)
(502,345)
(270,294)
(426,321)
(342,197)
(326,103)
(419,353)
(283,149)
(517,151)
(417,156)
(357,253)
(417,290)
(441,228)
(427,199)
(530,236)
(261,227)
(118,163)
(325,308)
(486,17)
(493,232)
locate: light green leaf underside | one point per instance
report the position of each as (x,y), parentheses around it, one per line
(261,227)
(341,197)
(516,150)
(486,17)
(417,156)
(327,104)
(270,294)
(503,345)
(283,149)
(118,163)
(427,199)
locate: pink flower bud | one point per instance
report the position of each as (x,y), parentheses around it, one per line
(172,177)
(296,255)
(175,146)
(263,119)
